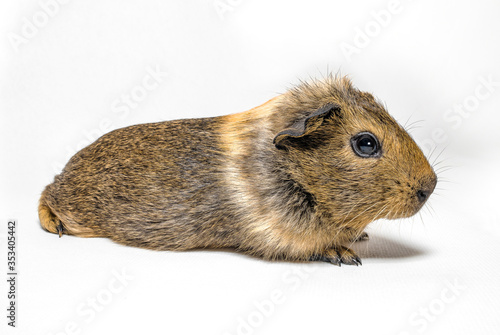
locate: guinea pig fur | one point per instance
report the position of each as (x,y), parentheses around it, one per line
(297,178)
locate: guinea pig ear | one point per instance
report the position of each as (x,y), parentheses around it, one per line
(305,126)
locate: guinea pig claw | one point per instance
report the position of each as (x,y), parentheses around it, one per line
(60,230)
(335,260)
(338,256)
(363,237)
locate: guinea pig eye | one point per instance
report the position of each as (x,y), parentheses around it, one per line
(365,145)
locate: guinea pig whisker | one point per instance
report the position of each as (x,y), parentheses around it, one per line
(431,210)
(421,218)
(443,160)
(447,181)
(439,155)
(380,212)
(431,153)
(413,125)
(390,213)
(443,169)
(435,213)
(367,209)
(426,209)
(361,231)
(352,208)
(355,239)
(409,125)
(340,228)
(404,126)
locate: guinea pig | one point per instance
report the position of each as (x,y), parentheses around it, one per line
(297,179)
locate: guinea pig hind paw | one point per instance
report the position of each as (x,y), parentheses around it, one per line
(363,237)
(338,256)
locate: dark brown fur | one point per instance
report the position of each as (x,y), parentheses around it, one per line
(222,182)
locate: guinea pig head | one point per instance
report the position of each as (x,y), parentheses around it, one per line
(355,160)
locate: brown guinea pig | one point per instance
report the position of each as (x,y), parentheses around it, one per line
(296,178)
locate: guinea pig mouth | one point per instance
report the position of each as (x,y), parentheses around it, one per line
(403,213)
(417,199)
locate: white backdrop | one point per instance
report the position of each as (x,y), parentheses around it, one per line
(73,70)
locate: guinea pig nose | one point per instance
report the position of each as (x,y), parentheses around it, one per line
(426,190)
(422,195)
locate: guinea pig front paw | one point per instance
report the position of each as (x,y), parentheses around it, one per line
(338,256)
